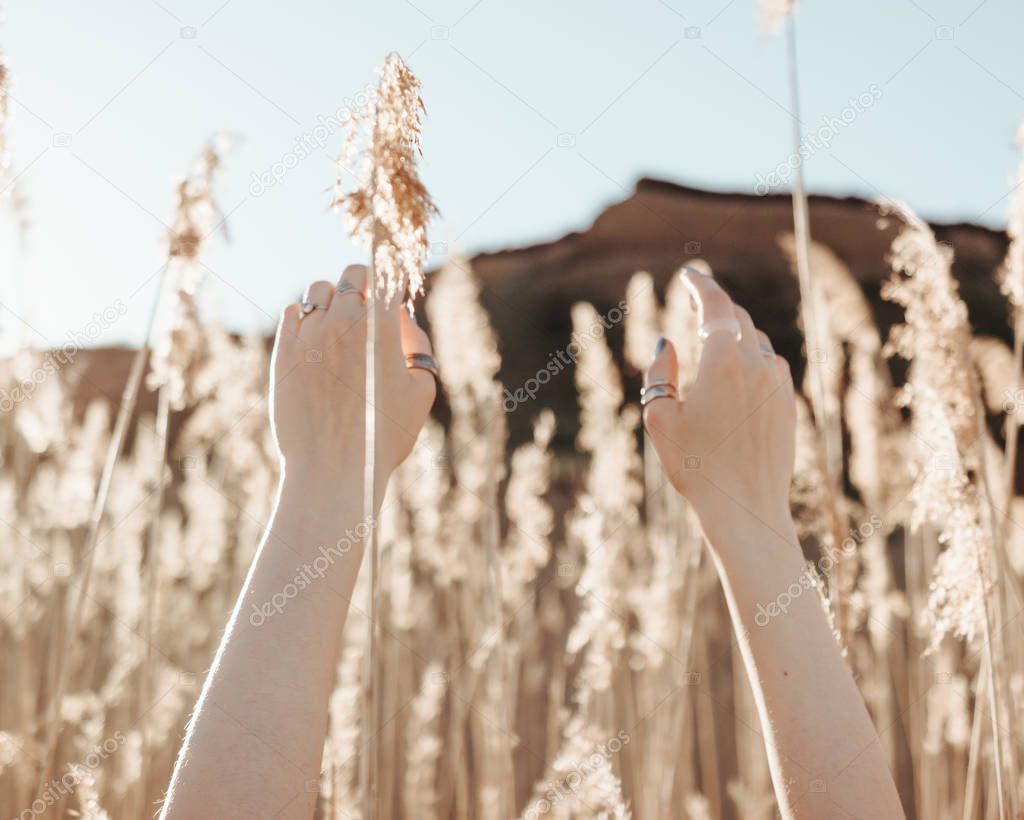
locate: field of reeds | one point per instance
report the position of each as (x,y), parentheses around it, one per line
(551,639)
(535,660)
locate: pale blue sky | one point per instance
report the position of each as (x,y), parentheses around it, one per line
(111,102)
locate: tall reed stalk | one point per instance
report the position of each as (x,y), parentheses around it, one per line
(389,209)
(1011,279)
(812,311)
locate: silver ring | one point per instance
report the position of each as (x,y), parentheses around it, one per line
(653,392)
(347,287)
(656,383)
(422,361)
(767,352)
(309,307)
(719,326)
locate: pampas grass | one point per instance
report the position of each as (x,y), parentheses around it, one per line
(195,218)
(607,637)
(546,636)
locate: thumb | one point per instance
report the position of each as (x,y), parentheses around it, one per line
(661,415)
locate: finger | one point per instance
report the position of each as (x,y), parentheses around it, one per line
(283,357)
(415,340)
(749,343)
(779,366)
(713,303)
(349,307)
(713,306)
(318,293)
(664,363)
(288,327)
(783,371)
(662,415)
(764,344)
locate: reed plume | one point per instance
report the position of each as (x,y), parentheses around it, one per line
(580,782)
(425,746)
(389,207)
(942,392)
(947,421)
(643,325)
(196,216)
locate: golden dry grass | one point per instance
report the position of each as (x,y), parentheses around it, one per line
(528,660)
(589,673)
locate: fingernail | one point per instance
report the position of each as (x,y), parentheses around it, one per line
(659,346)
(699,267)
(691,288)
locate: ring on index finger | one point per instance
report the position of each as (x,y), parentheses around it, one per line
(713,326)
(657,389)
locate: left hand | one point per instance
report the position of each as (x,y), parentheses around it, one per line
(728,447)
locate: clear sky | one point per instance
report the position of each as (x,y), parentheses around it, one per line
(540,113)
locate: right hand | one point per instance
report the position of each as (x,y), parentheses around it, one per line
(318,386)
(729,446)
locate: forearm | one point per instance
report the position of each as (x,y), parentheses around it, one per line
(823,749)
(256,738)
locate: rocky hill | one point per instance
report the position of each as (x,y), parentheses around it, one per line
(529,290)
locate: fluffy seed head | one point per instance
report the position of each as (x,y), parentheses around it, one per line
(389,207)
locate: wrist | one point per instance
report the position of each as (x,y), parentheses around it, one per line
(330,488)
(750,535)
(321,514)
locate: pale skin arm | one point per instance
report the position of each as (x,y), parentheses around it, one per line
(738,419)
(254,744)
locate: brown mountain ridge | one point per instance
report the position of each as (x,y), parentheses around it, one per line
(529,291)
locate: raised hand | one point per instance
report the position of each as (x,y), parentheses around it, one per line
(728,447)
(730,441)
(319,378)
